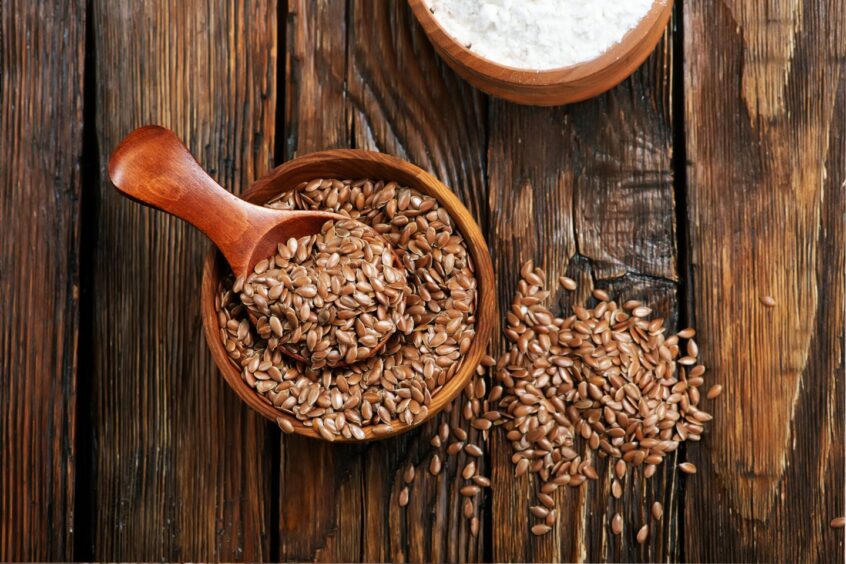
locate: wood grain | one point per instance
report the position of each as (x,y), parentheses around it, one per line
(587,191)
(320,502)
(764,110)
(406,102)
(182,466)
(41,84)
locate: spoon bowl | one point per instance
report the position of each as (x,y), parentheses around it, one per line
(153,167)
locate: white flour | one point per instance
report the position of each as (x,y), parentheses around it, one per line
(538,34)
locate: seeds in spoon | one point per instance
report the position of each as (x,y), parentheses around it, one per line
(330,297)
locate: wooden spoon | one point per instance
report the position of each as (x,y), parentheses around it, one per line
(153,167)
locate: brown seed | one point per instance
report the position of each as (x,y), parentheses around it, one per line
(285,424)
(473,450)
(551,518)
(435,465)
(454,448)
(617,524)
(435,441)
(687,468)
(469,509)
(403,497)
(469,470)
(547,500)
(601,295)
(540,529)
(408,475)
(838,522)
(768,301)
(657,510)
(616,489)
(482,481)
(474,526)
(469,491)
(567,283)
(714,391)
(642,534)
(539,511)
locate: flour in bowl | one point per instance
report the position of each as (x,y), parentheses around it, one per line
(538,34)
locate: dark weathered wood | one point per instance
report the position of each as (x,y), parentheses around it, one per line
(765,108)
(320,484)
(406,102)
(41,85)
(182,466)
(587,191)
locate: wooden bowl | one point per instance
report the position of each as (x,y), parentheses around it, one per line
(351,164)
(555,86)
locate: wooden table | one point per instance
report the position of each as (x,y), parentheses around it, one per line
(713,176)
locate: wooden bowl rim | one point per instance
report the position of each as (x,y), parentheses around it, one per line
(426,183)
(549,77)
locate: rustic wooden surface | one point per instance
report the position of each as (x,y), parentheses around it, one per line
(715,175)
(42,49)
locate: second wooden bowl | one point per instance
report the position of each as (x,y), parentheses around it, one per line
(352,164)
(556,86)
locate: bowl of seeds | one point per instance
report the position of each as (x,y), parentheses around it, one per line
(367,328)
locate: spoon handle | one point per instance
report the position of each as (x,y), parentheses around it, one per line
(152,166)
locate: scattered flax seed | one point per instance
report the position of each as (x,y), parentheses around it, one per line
(642,534)
(469,508)
(567,283)
(605,378)
(616,489)
(435,465)
(469,470)
(455,448)
(838,522)
(617,524)
(768,301)
(551,518)
(657,510)
(435,441)
(687,467)
(714,391)
(539,511)
(403,497)
(541,529)
(482,481)
(469,491)
(473,450)
(408,475)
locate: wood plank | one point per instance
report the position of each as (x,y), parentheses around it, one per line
(587,191)
(320,492)
(406,102)
(42,48)
(765,105)
(182,466)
